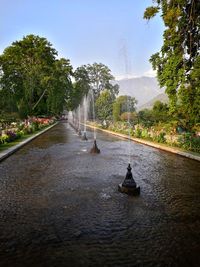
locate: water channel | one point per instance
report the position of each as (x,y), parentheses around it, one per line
(59,205)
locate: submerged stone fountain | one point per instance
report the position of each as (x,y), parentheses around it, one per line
(84,136)
(95,149)
(85,108)
(129,185)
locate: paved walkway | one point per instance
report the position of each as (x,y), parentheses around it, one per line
(152,144)
(6,153)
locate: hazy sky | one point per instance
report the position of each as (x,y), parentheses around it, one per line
(112,32)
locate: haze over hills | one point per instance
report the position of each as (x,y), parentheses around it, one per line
(149,105)
(142,88)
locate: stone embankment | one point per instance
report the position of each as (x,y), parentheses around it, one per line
(6,153)
(174,150)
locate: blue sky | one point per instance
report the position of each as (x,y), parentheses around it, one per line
(112,32)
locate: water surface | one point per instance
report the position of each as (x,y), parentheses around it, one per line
(59,205)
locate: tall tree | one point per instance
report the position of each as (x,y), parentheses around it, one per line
(61,88)
(104,105)
(122,104)
(100,79)
(29,75)
(177,63)
(81,87)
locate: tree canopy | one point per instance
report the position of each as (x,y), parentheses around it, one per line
(122,104)
(32,80)
(177,63)
(104,105)
(100,78)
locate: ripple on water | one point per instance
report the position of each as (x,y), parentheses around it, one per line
(60,206)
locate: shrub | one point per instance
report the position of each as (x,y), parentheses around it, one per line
(11,136)
(189,142)
(19,134)
(138,133)
(35,126)
(160,138)
(4,139)
(145,134)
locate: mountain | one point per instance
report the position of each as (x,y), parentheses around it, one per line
(142,88)
(149,105)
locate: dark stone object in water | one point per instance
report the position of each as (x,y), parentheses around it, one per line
(79,132)
(95,149)
(129,185)
(84,137)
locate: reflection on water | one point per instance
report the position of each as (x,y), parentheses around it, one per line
(59,205)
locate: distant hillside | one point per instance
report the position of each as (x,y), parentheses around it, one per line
(142,88)
(149,105)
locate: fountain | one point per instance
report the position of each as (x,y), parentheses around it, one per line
(94,149)
(84,137)
(79,120)
(129,185)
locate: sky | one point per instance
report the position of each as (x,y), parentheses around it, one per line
(112,32)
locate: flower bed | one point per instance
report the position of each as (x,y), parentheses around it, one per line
(16,131)
(166,134)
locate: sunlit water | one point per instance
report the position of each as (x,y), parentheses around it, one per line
(59,205)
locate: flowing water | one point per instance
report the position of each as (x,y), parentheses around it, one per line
(59,205)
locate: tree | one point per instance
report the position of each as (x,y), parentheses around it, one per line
(61,86)
(32,77)
(146,117)
(104,105)
(177,63)
(81,87)
(160,111)
(123,104)
(100,79)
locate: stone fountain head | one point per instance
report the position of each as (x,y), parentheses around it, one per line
(84,137)
(129,185)
(79,132)
(95,149)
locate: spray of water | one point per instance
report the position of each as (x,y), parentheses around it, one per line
(93,111)
(79,117)
(129,130)
(127,66)
(85,112)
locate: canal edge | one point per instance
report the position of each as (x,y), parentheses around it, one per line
(148,143)
(8,152)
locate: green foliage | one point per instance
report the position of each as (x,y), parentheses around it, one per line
(150,12)
(32,80)
(178,62)
(146,117)
(160,138)
(100,78)
(104,106)
(123,104)
(145,134)
(138,133)
(131,116)
(189,142)
(80,88)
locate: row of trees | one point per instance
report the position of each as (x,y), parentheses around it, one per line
(33,81)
